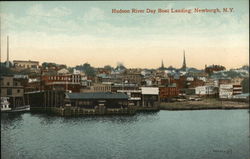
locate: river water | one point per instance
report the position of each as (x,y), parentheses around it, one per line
(205,134)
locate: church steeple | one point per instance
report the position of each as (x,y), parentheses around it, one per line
(184,61)
(162,65)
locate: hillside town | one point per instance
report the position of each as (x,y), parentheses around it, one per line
(27,82)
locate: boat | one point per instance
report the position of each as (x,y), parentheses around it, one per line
(24,108)
(5,107)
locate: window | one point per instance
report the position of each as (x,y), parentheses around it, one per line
(8,83)
(9,91)
(18,91)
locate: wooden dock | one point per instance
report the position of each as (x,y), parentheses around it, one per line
(54,102)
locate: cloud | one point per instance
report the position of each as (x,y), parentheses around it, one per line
(38,10)
(93,14)
(109,30)
(8,21)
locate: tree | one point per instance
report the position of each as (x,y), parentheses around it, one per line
(108,67)
(87,68)
(245,85)
(48,64)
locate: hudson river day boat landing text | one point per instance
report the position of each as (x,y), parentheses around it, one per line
(173,10)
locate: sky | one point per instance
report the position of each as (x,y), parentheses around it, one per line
(74,33)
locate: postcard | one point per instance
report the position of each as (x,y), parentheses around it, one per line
(124,79)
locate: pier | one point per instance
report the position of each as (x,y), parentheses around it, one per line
(82,104)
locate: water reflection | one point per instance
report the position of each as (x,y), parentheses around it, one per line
(46,119)
(171,134)
(10,120)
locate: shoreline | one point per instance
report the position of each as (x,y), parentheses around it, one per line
(204,108)
(207,104)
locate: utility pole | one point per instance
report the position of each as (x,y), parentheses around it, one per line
(8,63)
(0,46)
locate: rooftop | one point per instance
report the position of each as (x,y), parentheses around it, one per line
(25,61)
(96,95)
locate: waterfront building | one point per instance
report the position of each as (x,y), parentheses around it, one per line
(45,99)
(206,90)
(150,96)
(226,91)
(12,88)
(96,100)
(75,104)
(166,93)
(134,96)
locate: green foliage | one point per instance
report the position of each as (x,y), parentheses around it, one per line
(87,68)
(245,85)
(108,67)
(71,69)
(49,64)
(245,67)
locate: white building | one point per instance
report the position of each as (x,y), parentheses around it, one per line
(205,90)
(150,90)
(134,96)
(227,91)
(26,64)
(150,96)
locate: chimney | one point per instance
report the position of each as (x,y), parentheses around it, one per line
(8,62)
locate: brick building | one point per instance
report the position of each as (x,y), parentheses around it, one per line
(166,93)
(68,82)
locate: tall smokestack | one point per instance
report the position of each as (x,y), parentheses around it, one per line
(0,46)
(8,62)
